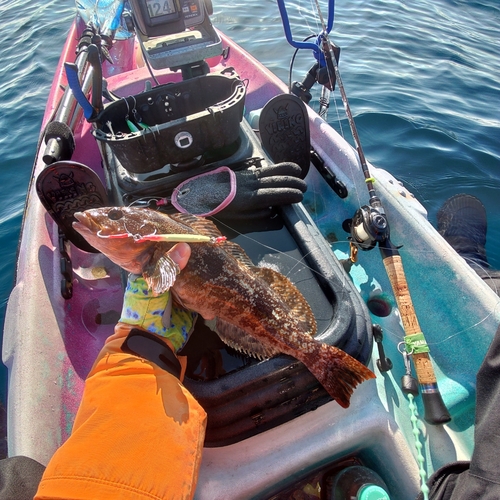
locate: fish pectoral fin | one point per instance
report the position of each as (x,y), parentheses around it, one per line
(241,341)
(291,296)
(160,273)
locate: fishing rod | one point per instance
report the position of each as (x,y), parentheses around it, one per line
(370,227)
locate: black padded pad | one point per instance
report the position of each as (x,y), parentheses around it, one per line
(284,131)
(66,187)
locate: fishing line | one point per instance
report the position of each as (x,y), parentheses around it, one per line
(306,14)
(302,262)
(322,20)
(297,262)
(316,13)
(328,46)
(473,264)
(450,337)
(396,335)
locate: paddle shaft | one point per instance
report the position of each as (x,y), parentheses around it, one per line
(435,411)
(87,69)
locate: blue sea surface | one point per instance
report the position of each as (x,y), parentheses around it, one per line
(422,78)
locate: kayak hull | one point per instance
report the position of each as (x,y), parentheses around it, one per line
(50,343)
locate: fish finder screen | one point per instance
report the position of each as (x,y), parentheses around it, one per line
(158,8)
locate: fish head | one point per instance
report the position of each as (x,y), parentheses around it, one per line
(115,232)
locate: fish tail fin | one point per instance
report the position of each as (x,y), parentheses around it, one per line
(337,372)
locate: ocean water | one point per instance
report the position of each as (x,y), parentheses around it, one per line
(422,78)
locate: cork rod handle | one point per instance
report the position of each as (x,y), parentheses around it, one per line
(435,411)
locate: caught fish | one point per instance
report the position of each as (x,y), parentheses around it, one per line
(257,310)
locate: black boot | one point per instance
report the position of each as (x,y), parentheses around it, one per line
(462,222)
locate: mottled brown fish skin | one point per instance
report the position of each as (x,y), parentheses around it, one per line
(215,284)
(249,305)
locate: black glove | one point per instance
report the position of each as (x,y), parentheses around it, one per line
(249,193)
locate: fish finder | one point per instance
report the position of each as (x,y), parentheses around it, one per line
(166,17)
(175,33)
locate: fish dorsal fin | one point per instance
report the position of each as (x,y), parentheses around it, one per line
(199,224)
(290,295)
(239,340)
(208,228)
(238,253)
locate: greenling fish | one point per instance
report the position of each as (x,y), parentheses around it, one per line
(257,310)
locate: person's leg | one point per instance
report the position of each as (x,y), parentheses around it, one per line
(462,223)
(19,478)
(479,479)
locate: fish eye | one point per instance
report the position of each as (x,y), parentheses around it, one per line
(115,214)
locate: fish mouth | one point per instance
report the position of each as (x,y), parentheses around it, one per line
(85,224)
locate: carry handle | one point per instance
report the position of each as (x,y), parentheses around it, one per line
(90,111)
(75,86)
